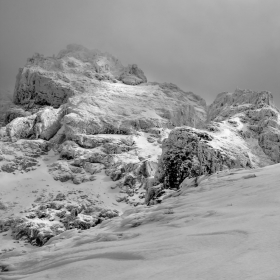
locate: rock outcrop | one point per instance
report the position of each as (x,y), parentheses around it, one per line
(99,95)
(22,155)
(189,153)
(254,115)
(133,75)
(53,216)
(37,86)
(5,104)
(128,160)
(52,80)
(21,128)
(44,124)
(228,104)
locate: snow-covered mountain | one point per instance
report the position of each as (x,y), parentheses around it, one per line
(90,144)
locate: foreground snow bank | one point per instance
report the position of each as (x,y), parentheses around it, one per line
(226,228)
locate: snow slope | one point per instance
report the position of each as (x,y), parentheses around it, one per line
(226,228)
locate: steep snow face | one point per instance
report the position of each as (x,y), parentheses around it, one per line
(226,228)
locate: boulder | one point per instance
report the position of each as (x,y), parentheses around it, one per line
(50,119)
(21,128)
(133,75)
(44,124)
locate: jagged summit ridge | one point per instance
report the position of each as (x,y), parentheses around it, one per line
(52,80)
(99,95)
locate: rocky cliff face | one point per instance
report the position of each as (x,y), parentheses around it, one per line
(100,95)
(52,80)
(257,115)
(82,93)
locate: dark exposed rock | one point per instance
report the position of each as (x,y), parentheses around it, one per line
(19,163)
(71,213)
(133,75)
(41,88)
(189,153)
(269,140)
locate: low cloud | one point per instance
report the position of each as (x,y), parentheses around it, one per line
(203,46)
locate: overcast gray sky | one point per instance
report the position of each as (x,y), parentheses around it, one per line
(204,46)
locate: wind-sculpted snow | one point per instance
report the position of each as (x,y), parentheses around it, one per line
(225,228)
